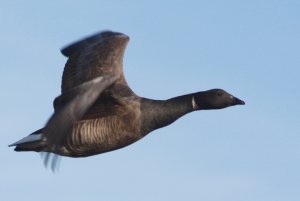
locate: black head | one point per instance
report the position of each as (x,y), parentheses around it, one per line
(215,99)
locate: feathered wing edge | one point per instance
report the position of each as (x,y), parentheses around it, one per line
(81,44)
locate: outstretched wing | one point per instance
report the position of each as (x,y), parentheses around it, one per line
(95,56)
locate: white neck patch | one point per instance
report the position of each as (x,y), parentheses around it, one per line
(194,104)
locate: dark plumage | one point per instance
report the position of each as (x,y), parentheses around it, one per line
(97,112)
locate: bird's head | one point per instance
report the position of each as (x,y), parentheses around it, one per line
(215,99)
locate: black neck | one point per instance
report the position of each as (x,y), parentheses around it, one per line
(160,113)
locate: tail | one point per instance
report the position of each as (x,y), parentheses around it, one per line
(33,142)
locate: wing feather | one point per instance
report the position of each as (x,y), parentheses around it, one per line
(98,55)
(77,102)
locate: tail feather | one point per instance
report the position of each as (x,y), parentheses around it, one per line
(32,142)
(36,142)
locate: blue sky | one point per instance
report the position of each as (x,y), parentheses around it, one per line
(249,48)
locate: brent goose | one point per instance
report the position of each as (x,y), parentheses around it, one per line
(97,112)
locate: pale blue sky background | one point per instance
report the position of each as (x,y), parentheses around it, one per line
(243,153)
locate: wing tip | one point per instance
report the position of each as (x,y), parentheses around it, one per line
(73,47)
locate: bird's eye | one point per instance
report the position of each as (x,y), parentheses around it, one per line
(219,94)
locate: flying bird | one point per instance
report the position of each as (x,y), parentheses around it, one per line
(97,111)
